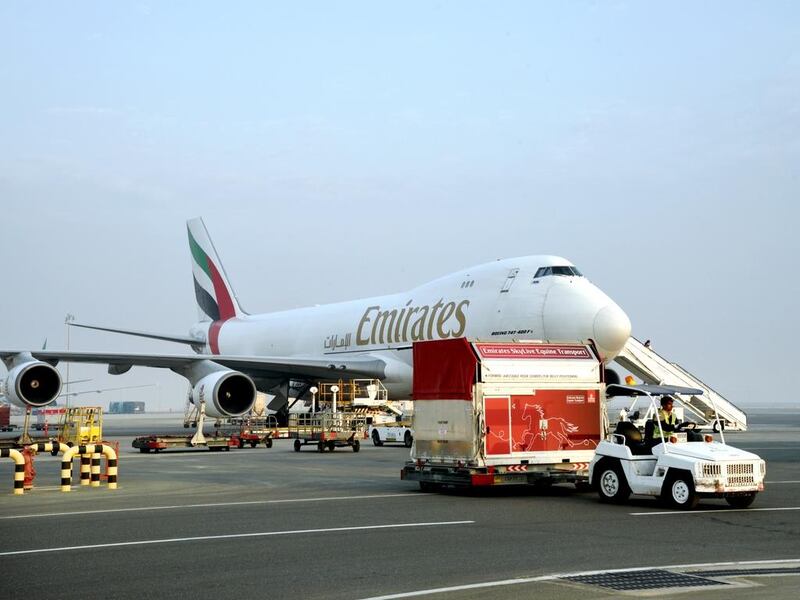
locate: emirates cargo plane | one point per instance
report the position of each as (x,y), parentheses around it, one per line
(236,353)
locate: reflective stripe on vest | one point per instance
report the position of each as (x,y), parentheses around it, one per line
(669,419)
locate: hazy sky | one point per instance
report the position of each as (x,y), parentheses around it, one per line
(347,149)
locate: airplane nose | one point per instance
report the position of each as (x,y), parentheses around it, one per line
(612,328)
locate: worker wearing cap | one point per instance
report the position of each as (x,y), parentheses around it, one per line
(667,422)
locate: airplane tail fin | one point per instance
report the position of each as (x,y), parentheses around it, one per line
(216,299)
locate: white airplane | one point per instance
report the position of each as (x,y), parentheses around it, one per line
(531,297)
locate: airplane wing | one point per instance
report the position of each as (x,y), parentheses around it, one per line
(178,339)
(254,366)
(101,390)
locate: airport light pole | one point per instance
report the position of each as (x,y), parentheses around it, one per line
(67,320)
(335,390)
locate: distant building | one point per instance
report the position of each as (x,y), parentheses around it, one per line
(125,408)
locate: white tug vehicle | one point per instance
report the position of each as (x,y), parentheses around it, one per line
(681,469)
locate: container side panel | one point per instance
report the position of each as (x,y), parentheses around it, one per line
(498,425)
(555,420)
(444,429)
(444,370)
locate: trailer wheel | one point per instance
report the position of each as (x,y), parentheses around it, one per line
(240,442)
(376,438)
(331,446)
(427,486)
(297,445)
(678,490)
(408,439)
(356,445)
(144,450)
(611,483)
(320,446)
(268,442)
(741,501)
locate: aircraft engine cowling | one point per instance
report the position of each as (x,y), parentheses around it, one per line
(32,383)
(226,394)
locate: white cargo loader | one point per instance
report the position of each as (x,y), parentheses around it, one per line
(504,413)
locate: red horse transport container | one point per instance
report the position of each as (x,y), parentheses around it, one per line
(504,413)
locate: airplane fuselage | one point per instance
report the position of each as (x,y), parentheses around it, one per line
(502,300)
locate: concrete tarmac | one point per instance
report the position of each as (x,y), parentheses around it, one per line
(275,523)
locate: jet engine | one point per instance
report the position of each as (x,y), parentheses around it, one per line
(225,393)
(32,383)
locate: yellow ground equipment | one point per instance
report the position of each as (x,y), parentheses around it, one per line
(82,425)
(351,393)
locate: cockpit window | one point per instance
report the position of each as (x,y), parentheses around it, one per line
(563,271)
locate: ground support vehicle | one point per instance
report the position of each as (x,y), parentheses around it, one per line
(81,425)
(394,432)
(126,407)
(329,430)
(157,443)
(246,438)
(18,444)
(504,413)
(250,431)
(5,418)
(678,471)
(42,423)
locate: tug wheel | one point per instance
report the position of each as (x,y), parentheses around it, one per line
(678,490)
(742,501)
(356,445)
(611,483)
(376,439)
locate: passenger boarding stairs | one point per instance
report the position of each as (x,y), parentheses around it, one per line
(650,367)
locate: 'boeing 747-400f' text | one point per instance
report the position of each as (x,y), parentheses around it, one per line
(236,353)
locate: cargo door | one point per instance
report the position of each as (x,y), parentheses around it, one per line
(497,415)
(519,308)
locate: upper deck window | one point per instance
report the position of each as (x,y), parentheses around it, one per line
(564,271)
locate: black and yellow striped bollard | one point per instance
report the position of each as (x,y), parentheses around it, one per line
(19,468)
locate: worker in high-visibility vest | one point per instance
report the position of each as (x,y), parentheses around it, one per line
(666,421)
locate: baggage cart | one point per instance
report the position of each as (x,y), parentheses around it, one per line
(327,430)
